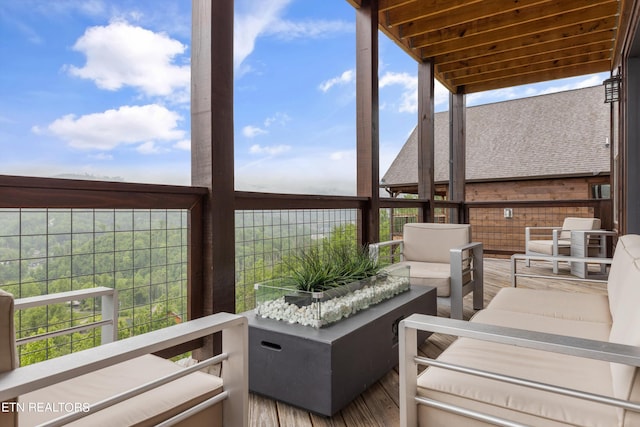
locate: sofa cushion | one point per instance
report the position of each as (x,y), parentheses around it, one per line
(433,274)
(626,253)
(547,324)
(553,303)
(146,409)
(432,242)
(531,407)
(624,293)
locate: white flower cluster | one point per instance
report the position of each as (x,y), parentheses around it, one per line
(318,314)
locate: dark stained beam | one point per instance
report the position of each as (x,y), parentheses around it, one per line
(631,170)
(426,136)
(368,169)
(457,147)
(212,151)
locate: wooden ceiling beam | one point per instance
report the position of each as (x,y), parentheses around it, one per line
(524,59)
(496,28)
(425,8)
(511,40)
(452,63)
(535,77)
(602,27)
(491,15)
(533,67)
(385,5)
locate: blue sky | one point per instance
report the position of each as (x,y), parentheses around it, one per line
(100,88)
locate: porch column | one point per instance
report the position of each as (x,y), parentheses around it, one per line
(457,151)
(631,171)
(212,153)
(368,164)
(426,137)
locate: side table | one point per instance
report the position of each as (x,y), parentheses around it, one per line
(589,243)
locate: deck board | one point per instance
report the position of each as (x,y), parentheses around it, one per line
(378,406)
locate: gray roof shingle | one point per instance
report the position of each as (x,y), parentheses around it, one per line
(557,134)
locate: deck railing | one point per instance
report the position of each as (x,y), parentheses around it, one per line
(159,222)
(64,235)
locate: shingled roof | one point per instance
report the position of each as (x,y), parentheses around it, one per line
(551,135)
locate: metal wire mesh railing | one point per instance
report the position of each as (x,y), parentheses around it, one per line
(265,238)
(140,252)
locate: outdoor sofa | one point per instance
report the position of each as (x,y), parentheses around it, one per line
(145,389)
(534,357)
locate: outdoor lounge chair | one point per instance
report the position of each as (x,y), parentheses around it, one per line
(122,384)
(443,256)
(556,241)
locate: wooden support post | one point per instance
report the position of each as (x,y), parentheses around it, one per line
(457,150)
(212,151)
(631,171)
(426,137)
(368,169)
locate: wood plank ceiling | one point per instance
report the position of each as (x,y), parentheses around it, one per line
(479,45)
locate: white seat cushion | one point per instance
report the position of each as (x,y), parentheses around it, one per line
(433,274)
(146,409)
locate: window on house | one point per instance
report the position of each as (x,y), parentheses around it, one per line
(601,191)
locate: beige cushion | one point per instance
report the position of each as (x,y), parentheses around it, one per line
(546,247)
(433,274)
(8,360)
(624,294)
(514,402)
(144,410)
(428,242)
(573,223)
(530,407)
(553,303)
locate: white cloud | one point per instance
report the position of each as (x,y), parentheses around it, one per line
(126,125)
(252,131)
(309,29)
(121,54)
(149,147)
(185,145)
(251,20)
(408,102)
(409,84)
(299,175)
(277,118)
(101,156)
(343,79)
(264,18)
(270,150)
(343,155)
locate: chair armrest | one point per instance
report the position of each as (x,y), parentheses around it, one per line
(109,313)
(528,232)
(572,346)
(374,248)
(525,257)
(472,245)
(234,330)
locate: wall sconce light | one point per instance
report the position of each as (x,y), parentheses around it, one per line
(612,89)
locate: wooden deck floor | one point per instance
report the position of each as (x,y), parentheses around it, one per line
(378,406)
